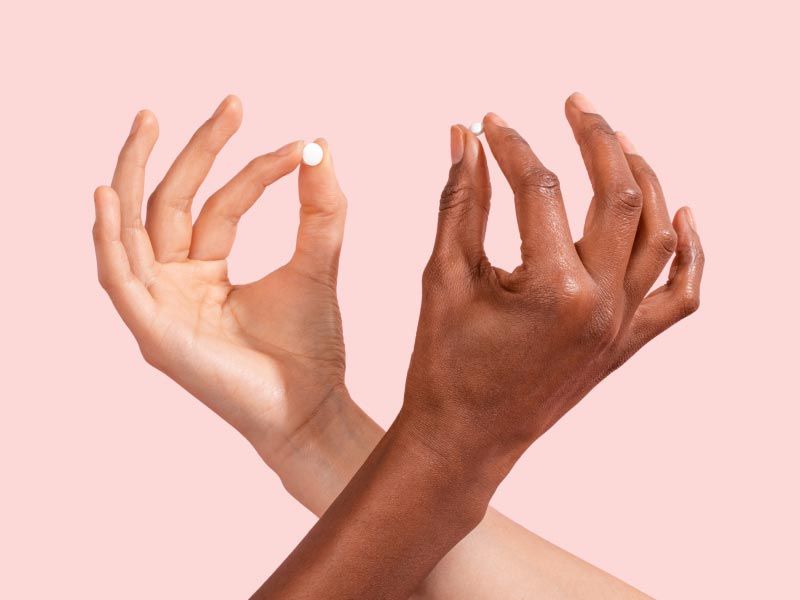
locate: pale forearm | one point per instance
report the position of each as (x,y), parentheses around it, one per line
(502,559)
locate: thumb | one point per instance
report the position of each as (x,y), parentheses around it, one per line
(323,209)
(464,204)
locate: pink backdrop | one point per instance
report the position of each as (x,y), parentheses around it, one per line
(678,474)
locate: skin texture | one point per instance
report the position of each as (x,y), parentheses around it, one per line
(499,357)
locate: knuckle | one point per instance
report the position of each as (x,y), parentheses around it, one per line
(583,304)
(165,198)
(569,291)
(567,286)
(326,203)
(230,217)
(690,302)
(625,198)
(216,208)
(538,180)
(664,241)
(603,327)
(456,195)
(601,318)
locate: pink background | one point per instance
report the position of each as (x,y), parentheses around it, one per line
(678,474)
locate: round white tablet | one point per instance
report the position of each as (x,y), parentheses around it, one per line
(477,127)
(312,154)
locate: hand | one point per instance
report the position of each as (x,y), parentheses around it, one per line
(265,356)
(500,357)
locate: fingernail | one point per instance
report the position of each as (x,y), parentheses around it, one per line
(627,145)
(690,218)
(582,103)
(287,149)
(313,154)
(496,119)
(456,144)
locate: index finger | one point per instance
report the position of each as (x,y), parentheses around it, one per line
(608,237)
(215,228)
(541,217)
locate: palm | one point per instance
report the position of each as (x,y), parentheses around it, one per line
(289,315)
(286,326)
(262,355)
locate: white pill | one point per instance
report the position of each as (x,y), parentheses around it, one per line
(312,154)
(477,127)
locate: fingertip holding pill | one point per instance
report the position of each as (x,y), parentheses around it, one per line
(312,154)
(476,127)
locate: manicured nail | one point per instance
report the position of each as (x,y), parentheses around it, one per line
(690,218)
(627,145)
(496,119)
(456,144)
(477,127)
(582,103)
(312,154)
(287,149)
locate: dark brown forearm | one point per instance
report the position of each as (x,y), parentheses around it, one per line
(402,512)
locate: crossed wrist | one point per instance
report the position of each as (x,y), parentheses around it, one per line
(299,425)
(472,472)
(316,458)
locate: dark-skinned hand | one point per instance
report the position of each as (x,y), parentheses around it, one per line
(499,357)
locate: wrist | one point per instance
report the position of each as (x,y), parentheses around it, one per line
(464,477)
(318,456)
(465,444)
(404,509)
